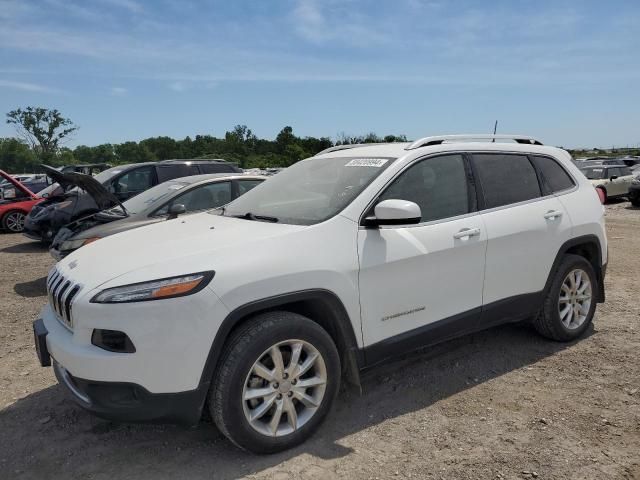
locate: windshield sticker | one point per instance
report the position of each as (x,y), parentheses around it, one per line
(598,170)
(367,162)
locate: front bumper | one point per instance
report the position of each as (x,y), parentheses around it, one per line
(162,380)
(128,402)
(122,401)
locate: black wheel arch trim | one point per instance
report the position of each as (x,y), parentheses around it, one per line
(350,353)
(598,266)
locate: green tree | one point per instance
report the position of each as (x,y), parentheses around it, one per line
(16,156)
(42,129)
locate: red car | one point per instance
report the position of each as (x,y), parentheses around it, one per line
(16,201)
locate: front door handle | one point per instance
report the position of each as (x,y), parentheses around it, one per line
(466,233)
(552,214)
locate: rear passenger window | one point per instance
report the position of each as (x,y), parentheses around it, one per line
(217,168)
(177,170)
(438,185)
(554,177)
(506,179)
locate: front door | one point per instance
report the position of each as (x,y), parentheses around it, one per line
(425,279)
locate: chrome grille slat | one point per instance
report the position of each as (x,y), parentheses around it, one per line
(61,292)
(60,296)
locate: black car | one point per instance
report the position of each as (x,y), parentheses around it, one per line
(121,183)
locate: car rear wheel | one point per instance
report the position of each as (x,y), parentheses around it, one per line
(13,221)
(278,377)
(570,302)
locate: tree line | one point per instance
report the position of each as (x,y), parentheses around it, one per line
(41,134)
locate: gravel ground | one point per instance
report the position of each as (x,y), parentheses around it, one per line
(503,403)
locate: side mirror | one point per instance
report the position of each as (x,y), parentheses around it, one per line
(613,177)
(175,210)
(394,212)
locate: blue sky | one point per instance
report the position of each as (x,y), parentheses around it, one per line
(565,71)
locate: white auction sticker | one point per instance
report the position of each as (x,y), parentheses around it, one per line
(367,162)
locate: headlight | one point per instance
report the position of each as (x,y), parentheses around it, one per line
(75,244)
(156,289)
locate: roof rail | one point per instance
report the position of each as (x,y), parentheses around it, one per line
(347,147)
(440,139)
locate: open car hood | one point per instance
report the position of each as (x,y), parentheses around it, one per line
(103,197)
(17,184)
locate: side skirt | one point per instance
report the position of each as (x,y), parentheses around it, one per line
(508,310)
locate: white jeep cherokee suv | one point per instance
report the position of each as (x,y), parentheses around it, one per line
(257,310)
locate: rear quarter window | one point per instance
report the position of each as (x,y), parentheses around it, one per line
(554,177)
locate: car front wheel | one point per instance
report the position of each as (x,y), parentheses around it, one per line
(278,377)
(13,221)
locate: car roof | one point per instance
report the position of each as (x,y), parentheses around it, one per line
(397,150)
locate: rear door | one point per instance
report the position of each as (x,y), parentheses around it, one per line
(526,225)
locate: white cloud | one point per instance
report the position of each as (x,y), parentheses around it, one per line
(177,86)
(26,87)
(131,5)
(119,91)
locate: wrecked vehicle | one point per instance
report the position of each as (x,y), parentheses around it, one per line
(163,202)
(16,201)
(122,182)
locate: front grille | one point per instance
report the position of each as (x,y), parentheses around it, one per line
(61,293)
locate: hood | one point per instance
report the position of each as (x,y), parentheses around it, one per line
(103,197)
(17,185)
(191,244)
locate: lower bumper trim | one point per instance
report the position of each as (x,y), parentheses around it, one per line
(128,402)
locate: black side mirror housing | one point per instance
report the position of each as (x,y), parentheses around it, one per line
(175,210)
(613,177)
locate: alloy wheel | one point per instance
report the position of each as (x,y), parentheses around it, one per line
(284,388)
(575,299)
(15,222)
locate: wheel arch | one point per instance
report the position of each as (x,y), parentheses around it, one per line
(322,306)
(588,247)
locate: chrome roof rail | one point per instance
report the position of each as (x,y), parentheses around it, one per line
(349,146)
(440,139)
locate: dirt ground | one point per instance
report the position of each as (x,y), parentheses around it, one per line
(502,404)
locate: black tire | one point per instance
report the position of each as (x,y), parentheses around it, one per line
(548,322)
(635,201)
(9,220)
(242,350)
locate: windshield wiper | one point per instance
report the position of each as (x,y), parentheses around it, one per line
(251,216)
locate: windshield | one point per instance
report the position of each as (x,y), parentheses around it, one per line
(309,191)
(150,197)
(594,173)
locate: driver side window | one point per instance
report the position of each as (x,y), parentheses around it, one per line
(438,185)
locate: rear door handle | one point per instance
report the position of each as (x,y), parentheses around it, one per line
(466,233)
(552,214)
